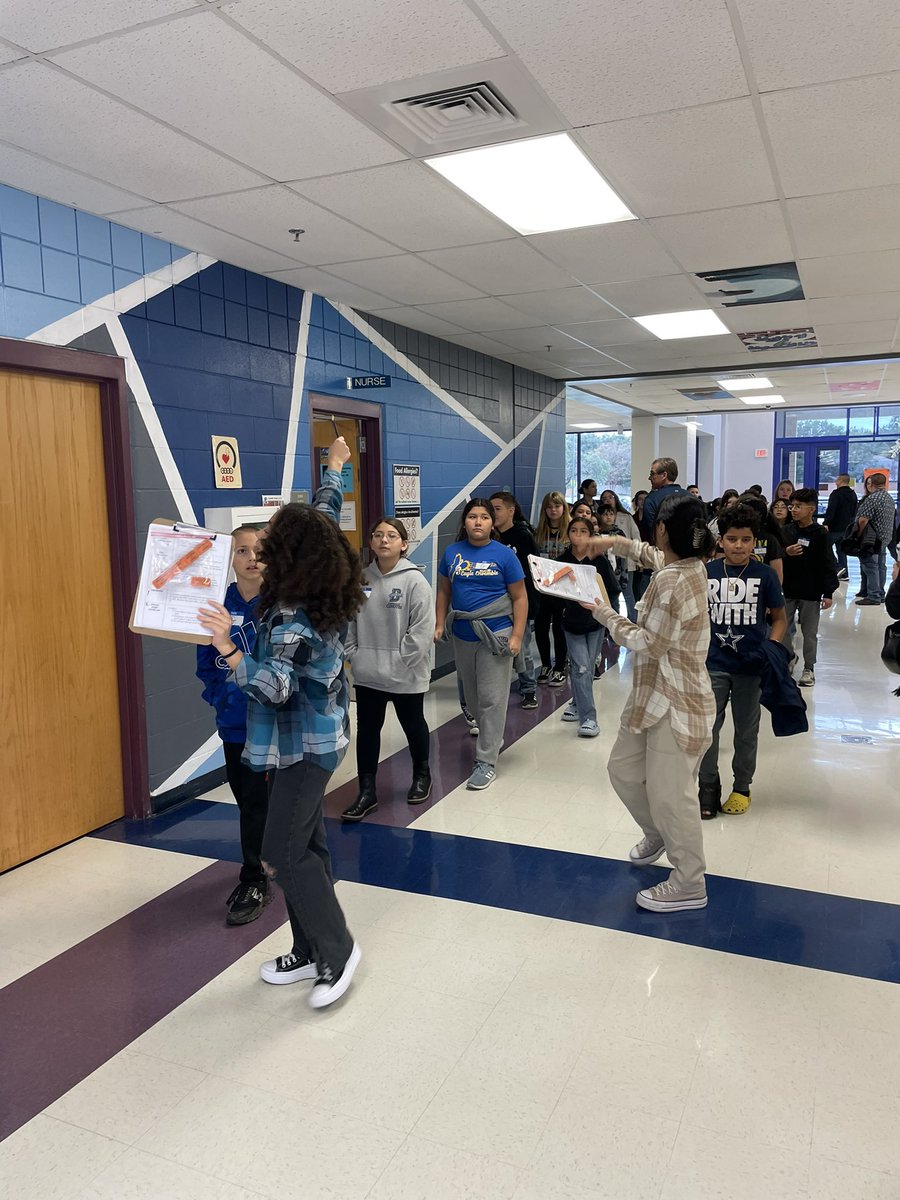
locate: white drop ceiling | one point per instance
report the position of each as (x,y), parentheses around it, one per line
(740,133)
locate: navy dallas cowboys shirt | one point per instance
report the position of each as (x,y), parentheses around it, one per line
(738,600)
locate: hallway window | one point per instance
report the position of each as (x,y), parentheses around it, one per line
(605,457)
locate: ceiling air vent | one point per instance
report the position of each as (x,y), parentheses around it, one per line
(470,110)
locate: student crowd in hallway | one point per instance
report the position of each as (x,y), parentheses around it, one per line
(721,605)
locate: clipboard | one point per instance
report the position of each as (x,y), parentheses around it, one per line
(582,582)
(166,592)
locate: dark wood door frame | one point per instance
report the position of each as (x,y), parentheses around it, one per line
(109,373)
(370,417)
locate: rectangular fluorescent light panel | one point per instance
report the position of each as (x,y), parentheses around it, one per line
(536,185)
(760,400)
(695,322)
(592,425)
(744,385)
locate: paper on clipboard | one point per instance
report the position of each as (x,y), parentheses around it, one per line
(184,566)
(567,581)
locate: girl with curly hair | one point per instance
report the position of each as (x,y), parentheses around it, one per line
(297,721)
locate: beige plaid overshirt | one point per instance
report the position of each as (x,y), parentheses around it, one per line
(670,644)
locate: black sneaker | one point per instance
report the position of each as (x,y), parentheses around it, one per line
(247,902)
(544,675)
(330,987)
(529,700)
(557,679)
(288,968)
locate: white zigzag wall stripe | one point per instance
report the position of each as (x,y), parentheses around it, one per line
(535,495)
(290,445)
(508,447)
(151,420)
(92,316)
(415,371)
(183,773)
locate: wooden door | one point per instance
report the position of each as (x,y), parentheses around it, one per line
(59,702)
(353,516)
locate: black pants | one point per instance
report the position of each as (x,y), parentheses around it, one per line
(371,707)
(550,616)
(252,795)
(296,851)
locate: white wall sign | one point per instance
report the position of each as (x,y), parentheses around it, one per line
(407,484)
(226,462)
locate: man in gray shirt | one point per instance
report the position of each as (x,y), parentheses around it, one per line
(879,510)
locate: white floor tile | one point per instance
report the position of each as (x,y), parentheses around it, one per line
(727,1166)
(423,1170)
(858,1128)
(137,1175)
(52,1160)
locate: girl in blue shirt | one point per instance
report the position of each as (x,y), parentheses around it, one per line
(482,603)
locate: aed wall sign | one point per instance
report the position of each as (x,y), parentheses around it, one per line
(226,462)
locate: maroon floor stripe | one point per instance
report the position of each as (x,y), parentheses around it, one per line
(67,1017)
(452,760)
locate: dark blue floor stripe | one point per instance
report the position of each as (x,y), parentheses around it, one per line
(757,920)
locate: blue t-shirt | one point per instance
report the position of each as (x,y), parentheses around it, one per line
(478,575)
(738,600)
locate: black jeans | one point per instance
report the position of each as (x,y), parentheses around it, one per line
(550,616)
(251,792)
(371,707)
(296,851)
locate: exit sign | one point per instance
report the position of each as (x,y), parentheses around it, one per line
(368,381)
(762,454)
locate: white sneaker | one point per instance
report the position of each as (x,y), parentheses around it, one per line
(287,968)
(570,713)
(646,852)
(808,679)
(589,729)
(328,989)
(668,897)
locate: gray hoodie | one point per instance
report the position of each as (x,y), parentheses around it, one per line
(389,643)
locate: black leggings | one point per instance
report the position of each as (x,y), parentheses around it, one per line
(550,614)
(371,706)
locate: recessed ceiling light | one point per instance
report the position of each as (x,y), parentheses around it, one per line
(590,425)
(760,400)
(744,385)
(535,185)
(694,322)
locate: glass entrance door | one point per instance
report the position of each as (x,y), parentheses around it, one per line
(813,464)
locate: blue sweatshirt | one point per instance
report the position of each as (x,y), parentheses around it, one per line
(226,697)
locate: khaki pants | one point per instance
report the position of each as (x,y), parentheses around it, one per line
(657,783)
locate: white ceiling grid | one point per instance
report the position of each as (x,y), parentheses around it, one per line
(740,133)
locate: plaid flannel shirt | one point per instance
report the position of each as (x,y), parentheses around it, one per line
(881,511)
(671,642)
(295,680)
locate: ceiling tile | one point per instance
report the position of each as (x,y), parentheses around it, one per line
(174,227)
(8,54)
(419,318)
(537,338)
(613,253)
(311,279)
(265,215)
(563,304)
(200,75)
(480,316)
(500,268)
(361,43)
(431,216)
(846,222)
(836,136)
(43,178)
(43,27)
(405,279)
(726,237)
(791,314)
(600,60)
(835,310)
(484,345)
(607,333)
(792,45)
(113,143)
(854,332)
(697,158)
(671,293)
(848,274)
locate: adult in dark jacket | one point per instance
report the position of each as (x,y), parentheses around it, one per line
(839,516)
(663,473)
(892,602)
